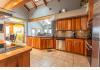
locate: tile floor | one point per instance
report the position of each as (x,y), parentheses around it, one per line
(43,58)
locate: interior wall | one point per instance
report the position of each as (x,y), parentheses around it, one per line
(20,12)
(55,7)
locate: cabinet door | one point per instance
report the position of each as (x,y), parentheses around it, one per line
(24,59)
(66,24)
(3,63)
(64,28)
(78,46)
(12,62)
(84,20)
(60,24)
(54,43)
(69,24)
(42,41)
(73,23)
(30,40)
(69,45)
(51,43)
(78,24)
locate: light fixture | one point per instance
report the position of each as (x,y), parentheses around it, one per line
(36,0)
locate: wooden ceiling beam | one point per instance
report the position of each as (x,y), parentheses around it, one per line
(45,2)
(26,7)
(90,12)
(15,3)
(34,4)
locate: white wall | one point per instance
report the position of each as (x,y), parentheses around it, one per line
(56,7)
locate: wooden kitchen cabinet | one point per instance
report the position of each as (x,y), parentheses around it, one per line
(73,23)
(12,62)
(46,43)
(75,46)
(54,43)
(2,63)
(40,42)
(84,21)
(79,46)
(64,24)
(36,42)
(33,42)
(24,59)
(78,23)
(29,41)
(69,24)
(69,46)
(16,58)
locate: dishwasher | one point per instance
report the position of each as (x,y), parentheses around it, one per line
(60,44)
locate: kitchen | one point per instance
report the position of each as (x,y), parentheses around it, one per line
(51,33)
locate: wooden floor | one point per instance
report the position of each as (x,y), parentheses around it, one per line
(55,58)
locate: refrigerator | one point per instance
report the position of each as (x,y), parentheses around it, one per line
(95,62)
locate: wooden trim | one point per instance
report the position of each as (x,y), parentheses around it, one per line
(45,2)
(34,4)
(40,18)
(10,4)
(49,16)
(26,7)
(90,13)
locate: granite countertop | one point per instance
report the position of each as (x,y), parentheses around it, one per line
(14,52)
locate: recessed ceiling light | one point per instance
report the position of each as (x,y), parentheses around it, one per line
(36,0)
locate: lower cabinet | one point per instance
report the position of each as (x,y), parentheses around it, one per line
(46,43)
(40,42)
(12,62)
(2,63)
(35,43)
(75,46)
(24,60)
(79,46)
(20,60)
(69,46)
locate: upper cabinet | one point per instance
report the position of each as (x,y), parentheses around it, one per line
(69,25)
(76,23)
(73,23)
(84,21)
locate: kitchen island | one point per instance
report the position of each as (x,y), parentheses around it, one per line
(16,58)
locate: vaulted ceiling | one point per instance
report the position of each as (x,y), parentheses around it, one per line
(24,7)
(28,4)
